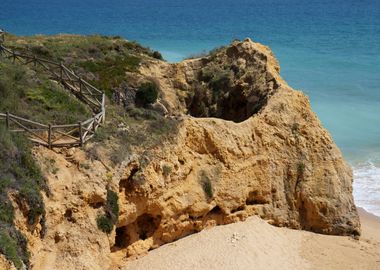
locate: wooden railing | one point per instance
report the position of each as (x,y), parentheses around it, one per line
(67,135)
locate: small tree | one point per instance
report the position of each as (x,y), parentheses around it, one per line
(157,55)
(147,94)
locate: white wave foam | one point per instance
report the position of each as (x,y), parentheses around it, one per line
(367,187)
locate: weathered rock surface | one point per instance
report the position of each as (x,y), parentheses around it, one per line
(5,264)
(277,162)
(253,147)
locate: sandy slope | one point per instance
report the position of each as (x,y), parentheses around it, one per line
(254,244)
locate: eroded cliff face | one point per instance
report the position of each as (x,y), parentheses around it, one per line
(247,145)
(274,158)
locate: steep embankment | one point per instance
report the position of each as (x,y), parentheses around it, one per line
(236,141)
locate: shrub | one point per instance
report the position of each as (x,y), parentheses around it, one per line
(104,224)
(157,55)
(33,198)
(207,188)
(19,172)
(166,169)
(106,221)
(300,169)
(9,248)
(6,212)
(295,128)
(221,80)
(206,185)
(112,206)
(147,94)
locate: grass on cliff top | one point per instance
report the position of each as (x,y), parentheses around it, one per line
(132,130)
(20,175)
(101,60)
(25,93)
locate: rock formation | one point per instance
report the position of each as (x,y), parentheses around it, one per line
(247,144)
(277,161)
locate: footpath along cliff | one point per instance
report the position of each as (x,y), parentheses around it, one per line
(244,143)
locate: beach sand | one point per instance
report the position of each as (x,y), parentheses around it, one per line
(254,244)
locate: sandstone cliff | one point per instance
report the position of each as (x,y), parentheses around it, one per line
(247,144)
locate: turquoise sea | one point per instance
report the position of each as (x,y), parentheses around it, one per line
(329,49)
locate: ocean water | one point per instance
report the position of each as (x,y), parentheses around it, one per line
(329,49)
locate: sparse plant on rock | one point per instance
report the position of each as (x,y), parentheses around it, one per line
(104,223)
(206,185)
(107,220)
(167,170)
(20,173)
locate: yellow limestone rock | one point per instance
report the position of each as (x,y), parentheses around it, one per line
(248,144)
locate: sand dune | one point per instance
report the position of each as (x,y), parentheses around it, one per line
(254,244)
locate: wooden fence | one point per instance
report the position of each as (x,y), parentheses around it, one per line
(58,135)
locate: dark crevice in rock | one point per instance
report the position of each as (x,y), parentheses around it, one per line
(147,225)
(126,183)
(122,238)
(69,215)
(232,85)
(255,198)
(216,211)
(144,227)
(240,208)
(97,205)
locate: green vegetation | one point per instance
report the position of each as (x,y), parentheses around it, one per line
(147,94)
(206,185)
(101,60)
(207,188)
(112,205)
(218,79)
(30,95)
(25,91)
(9,248)
(210,98)
(106,221)
(19,173)
(157,55)
(104,224)
(300,168)
(167,170)
(110,71)
(212,53)
(132,129)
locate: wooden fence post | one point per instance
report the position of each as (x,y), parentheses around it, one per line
(94,124)
(80,134)
(80,86)
(104,108)
(7,123)
(87,93)
(49,136)
(61,71)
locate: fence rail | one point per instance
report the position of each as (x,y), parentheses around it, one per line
(67,135)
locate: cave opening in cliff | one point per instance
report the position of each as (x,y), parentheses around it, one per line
(126,183)
(255,198)
(216,211)
(233,107)
(147,225)
(230,102)
(122,238)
